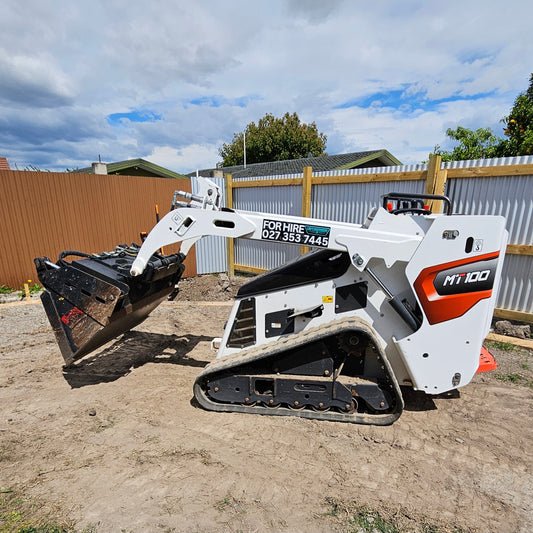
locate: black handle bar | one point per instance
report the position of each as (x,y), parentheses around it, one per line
(416,196)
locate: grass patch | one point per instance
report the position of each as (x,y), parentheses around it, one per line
(516,378)
(359,519)
(175,454)
(513,377)
(4,289)
(335,508)
(180,452)
(202,454)
(231,504)
(19,514)
(503,346)
(370,521)
(353,518)
(34,288)
(223,504)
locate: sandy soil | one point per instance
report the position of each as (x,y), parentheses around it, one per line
(117,444)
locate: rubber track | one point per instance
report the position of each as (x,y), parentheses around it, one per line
(304,337)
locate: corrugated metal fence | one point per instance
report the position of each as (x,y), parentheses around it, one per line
(211,252)
(495,186)
(282,200)
(512,197)
(43,213)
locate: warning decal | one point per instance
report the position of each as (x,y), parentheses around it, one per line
(292,232)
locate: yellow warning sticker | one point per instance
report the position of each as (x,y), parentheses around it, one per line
(327,299)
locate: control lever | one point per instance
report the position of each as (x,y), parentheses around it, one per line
(405,312)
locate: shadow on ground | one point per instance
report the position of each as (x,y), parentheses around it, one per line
(133,350)
(420,401)
(136,348)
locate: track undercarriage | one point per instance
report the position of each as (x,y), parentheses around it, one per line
(332,372)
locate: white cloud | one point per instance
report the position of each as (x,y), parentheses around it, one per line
(191,157)
(35,77)
(368,129)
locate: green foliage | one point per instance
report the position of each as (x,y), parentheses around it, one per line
(42,529)
(513,377)
(274,139)
(516,377)
(4,289)
(519,126)
(19,514)
(370,521)
(231,504)
(34,288)
(353,518)
(503,346)
(478,144)
(359,518)
(482,143)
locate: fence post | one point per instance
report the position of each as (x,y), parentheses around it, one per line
(306,199)
(436,181)
(229,240)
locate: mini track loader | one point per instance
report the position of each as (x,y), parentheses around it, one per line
(403,300)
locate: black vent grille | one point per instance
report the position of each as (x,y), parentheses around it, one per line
(243,330)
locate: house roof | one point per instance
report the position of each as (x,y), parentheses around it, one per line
(4,165)
(136,167)
(321,163)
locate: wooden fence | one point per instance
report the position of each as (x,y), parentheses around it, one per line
(43,213)
(434,181)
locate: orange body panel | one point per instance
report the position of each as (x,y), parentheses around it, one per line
(439,308)
(486,361)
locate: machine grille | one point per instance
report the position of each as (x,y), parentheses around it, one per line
(243,330)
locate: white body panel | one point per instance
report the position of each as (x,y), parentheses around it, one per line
(383,319)
(434,354)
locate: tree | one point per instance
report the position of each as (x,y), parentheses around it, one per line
(274,139)
(477,144)
(519,126)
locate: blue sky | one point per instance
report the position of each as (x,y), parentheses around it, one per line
(407,102)
(172,83)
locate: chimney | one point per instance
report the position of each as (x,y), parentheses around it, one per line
(99,168)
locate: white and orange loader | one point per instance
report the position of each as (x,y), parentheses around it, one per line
(403,300)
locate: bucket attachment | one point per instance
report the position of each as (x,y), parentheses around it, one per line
(92,300)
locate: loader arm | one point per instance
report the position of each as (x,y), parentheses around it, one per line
(396,243)
(187,225)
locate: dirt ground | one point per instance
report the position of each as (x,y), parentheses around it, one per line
(117,444)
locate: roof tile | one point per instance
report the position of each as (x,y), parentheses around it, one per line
(296,166)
